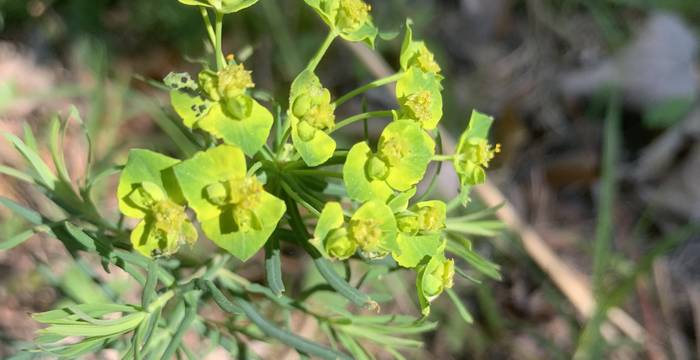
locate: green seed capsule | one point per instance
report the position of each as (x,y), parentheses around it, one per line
(238,107)
(217,194)
(302,104)
(376,168)
(306,131)
(338,245)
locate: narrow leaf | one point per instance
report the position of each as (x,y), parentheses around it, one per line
(461,309)
(47,177)
(9,171)
(273,265)
(28,214)
(55,145)
(16,240)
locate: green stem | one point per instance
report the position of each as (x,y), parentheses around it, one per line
(313,63)
(319,173)
(270,329)
(297,197)
(283,140)
(207,23)
(337,159)
(220,60)
(360,117)
(443,157)
(374,84)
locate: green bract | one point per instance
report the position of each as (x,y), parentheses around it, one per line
(406,150)
(234,210)
(432,279)
(373,228)
(331,234)
(350,19)
(222,6)
(356,175)
(189,102)
(218,104)
(474,153)
(147,190)
(402,157)
(311,116)
(416,54)
(420,232)
(419,96)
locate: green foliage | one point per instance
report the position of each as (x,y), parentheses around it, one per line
(235,189)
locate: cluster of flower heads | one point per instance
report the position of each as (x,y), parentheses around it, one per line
(231,203)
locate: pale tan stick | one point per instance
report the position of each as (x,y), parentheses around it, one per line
(573,284)
(667,297)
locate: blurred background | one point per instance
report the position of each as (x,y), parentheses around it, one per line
(596,107)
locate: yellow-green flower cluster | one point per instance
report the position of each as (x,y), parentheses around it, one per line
(239,208)
(219,103)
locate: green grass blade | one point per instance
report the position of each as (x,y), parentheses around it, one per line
(30,215)
(16,240)
(47,177)
(55,146)
(461,309)
(9,171)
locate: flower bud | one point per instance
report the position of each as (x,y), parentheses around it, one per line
(352,15)
(233,80)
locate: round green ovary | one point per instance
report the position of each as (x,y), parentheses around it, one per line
(314,111)
(338,245)
(243,195)
(238,107)
(437,278)
(376,168)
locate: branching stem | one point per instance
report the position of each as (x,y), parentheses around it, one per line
(360,117)
(374,84)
